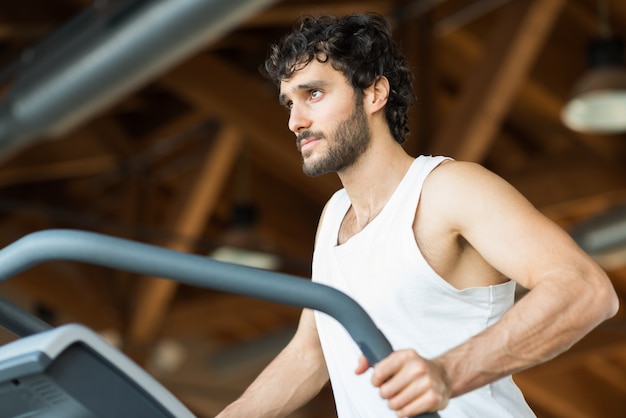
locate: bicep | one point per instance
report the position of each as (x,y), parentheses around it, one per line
(307,329)
(305,345)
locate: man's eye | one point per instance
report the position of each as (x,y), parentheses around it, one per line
(315,94)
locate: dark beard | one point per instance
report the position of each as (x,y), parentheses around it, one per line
(347,143)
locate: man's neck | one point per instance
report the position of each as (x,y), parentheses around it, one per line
(371,181)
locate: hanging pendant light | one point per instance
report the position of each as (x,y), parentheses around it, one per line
(598,102)
(243,244)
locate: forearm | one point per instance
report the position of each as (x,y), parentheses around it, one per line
(293,378)
(288,383)
(546,322)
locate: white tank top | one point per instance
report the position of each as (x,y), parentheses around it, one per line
(383,269)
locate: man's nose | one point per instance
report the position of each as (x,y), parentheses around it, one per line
(298,120)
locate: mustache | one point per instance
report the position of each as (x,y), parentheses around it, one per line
(307,134)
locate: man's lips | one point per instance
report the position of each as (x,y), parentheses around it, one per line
(307,139)
(305,142)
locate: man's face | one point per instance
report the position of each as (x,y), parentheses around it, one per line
(329,122)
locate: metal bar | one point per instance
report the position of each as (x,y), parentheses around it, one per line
(19,321)
(196,270)
(123,50)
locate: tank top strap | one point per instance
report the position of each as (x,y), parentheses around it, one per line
(402,204)
(336,209)
(406,198)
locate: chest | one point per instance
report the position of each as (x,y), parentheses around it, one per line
(351,225)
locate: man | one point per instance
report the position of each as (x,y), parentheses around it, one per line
(430,247)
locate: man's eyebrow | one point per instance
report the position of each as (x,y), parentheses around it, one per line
(314,84)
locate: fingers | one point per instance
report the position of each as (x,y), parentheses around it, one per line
(362,366)
(410,384)
(417,397)
(394,363)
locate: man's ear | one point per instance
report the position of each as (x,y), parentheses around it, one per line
(376,95)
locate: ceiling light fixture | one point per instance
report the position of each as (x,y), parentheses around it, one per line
(243,244)
(598,101)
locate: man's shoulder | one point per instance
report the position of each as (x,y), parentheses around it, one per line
(458,192)
(452,174)
(453,185)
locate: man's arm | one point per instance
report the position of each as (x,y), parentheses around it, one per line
(293,378)
(569,293)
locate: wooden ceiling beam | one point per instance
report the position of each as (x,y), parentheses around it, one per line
(223,313)
(72,292)
(608,370)
(539,397)
(290,221)
(81,158)
(56,170)
(91,190)
(567,179)
(586,354)
(155,294)
(537,109)
(584,207)
(486,99)
(555,388)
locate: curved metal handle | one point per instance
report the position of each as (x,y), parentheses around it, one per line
(147,259)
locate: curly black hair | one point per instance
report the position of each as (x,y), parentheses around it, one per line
(358,45)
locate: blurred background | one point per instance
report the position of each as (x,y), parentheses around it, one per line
(148,120)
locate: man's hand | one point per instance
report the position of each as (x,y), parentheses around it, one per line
(410,384)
